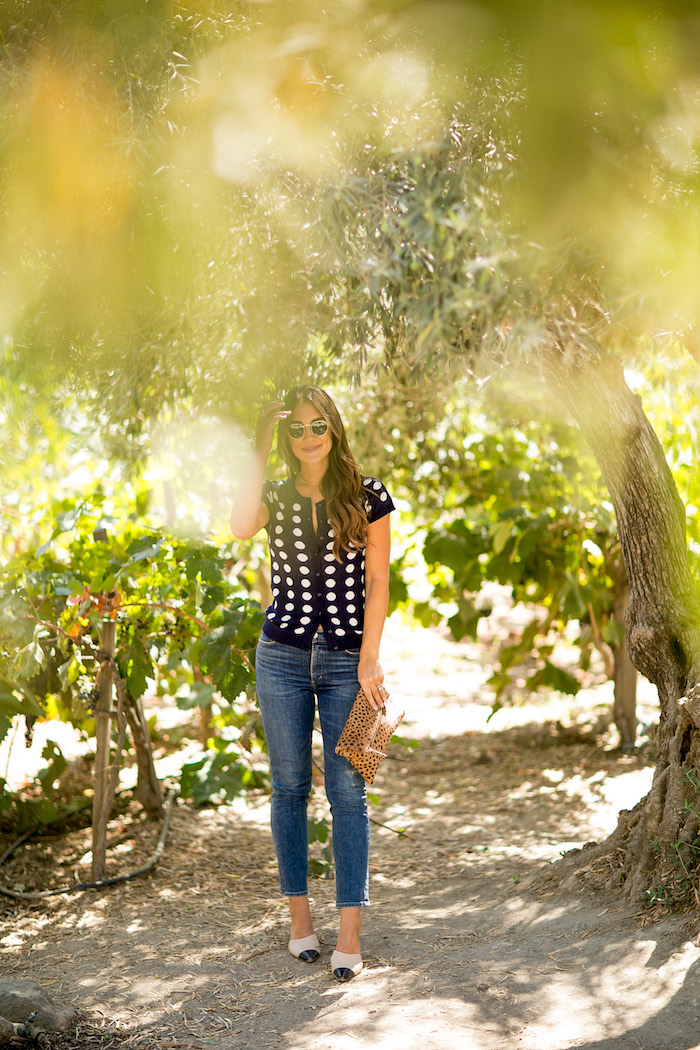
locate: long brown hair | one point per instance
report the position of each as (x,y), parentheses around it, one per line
(341,485)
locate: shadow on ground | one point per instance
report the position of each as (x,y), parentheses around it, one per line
(464,947)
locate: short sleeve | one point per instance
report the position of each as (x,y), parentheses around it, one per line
(378,502)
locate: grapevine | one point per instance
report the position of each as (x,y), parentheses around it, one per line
(178,619)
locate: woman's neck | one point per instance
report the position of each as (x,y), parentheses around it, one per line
(311,475)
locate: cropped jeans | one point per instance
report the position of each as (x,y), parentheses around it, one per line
(289,682)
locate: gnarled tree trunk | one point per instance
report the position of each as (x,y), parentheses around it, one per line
(651,846)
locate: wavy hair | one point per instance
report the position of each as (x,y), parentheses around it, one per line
(341,485)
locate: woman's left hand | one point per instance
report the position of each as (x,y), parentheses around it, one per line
(371,677)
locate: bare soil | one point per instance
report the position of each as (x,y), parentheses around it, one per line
(472,940)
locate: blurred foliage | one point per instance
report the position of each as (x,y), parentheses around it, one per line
(198,195)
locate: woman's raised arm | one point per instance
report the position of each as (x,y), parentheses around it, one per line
(248,513)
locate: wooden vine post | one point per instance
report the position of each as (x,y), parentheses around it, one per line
(102,803)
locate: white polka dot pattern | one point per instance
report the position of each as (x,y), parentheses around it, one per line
(310,587)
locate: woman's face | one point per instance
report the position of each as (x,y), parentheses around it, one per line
(310,449)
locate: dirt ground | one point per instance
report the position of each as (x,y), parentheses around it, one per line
(466,945)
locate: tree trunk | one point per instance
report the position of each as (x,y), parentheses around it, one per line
(651,850)
(206,729)
(625,676)
(206,714)
(625,704)
(148,791)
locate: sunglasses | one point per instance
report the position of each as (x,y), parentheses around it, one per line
(318,428)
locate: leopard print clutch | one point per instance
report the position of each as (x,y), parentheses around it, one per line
(367,733)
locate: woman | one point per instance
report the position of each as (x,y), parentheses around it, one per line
(328,529)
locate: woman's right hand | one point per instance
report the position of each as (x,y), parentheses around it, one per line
(270,414)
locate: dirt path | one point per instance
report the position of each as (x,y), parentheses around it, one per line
(464,946)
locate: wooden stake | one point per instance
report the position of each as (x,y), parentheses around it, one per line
(103,732)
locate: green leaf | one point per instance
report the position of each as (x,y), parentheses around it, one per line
(212,598)
(29,661)
(144,547)
(219,775)
(10,703)
(318,830)
(68,519)
(500,534)
(69,671)
(135,666)
(203,567)
(56,768)
(195,694)
(218,659)
(25,704)
(42,811)
(554,677)
(5,723)
(614,633)
(7,799)
(15,616)
(407,745)
(499,682)
(466,621)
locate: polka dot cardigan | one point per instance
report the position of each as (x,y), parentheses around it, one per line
(309,587)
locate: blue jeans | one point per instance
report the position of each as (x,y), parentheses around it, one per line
(289,681)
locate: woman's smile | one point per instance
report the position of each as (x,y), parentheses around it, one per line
(309,446)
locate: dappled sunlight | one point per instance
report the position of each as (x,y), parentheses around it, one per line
(601,794)
(449,693)
(369,1022)
(12,940)
(89,921)
(488,1001)
(461,947)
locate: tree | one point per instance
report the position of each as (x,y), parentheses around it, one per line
(419,271)
(588,380)
(663,618)
(374,206)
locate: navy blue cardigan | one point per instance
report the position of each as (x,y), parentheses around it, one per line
(310,587)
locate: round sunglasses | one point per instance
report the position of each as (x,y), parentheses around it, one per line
(318,428)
